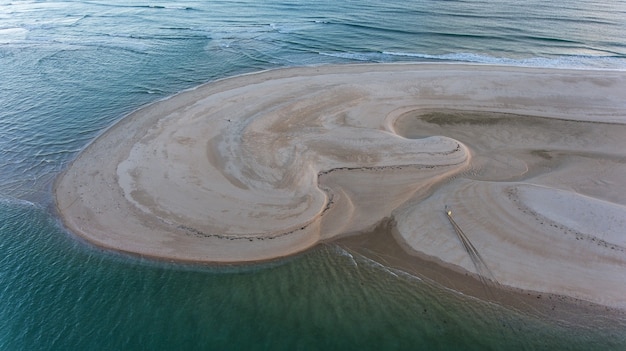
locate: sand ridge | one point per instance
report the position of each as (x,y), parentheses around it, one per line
(543,202)
(268,164)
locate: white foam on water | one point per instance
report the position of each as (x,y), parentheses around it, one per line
(11,35)
(8,200)
(572,61)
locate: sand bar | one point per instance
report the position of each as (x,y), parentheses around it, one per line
(265,165)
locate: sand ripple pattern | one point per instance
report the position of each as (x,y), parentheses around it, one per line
(254,167)
(268,164)
(543,201)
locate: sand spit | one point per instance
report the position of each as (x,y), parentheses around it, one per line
(264,165)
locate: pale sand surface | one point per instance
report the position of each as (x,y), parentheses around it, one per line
(268,164)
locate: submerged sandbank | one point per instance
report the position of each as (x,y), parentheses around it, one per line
(268,164)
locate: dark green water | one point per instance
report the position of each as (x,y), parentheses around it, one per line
(73,296)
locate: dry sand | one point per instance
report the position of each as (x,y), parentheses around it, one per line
(530,161)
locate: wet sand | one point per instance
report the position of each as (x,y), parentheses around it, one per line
(384,246)
(260,166)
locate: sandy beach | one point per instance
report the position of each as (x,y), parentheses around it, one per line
(530,162)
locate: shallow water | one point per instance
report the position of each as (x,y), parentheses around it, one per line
(71,296)
(69,69)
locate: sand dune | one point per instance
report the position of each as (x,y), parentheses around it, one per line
(265,165)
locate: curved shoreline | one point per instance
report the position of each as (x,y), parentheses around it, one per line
(268,164)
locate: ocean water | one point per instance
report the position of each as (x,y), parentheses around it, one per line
(69,69)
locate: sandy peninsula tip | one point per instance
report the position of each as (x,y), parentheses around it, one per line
(265,165)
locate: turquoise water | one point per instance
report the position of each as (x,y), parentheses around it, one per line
(69,69)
